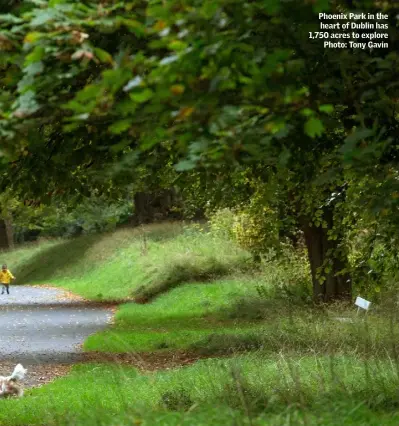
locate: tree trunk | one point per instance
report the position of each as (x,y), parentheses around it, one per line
(5,235)
(152,206)
(10,232)
(336,286)
(142,208)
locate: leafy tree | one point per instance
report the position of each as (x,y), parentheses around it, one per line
(311,117)
(92,88)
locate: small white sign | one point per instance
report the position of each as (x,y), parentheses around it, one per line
(362,303)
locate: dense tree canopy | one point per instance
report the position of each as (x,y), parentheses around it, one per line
(104,93)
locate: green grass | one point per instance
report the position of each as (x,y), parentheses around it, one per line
(192,256)
(189,301)
(208,329)
(144,261)
(177,319)
(282,361)
(125,340)
(324,390)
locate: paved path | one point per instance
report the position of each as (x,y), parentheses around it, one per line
(42,325)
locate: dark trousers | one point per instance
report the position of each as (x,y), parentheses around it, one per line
(5,287)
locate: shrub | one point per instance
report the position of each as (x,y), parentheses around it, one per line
(282,279)
(94,214)
(253,227)
(222,223)
(256,231)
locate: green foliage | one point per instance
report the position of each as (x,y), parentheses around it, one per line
(257,233)
(374,265)
(100,96)
(254,226)
(91,215)
(9,205)
(314,127)
(222,222)
(99,82)
(372,223)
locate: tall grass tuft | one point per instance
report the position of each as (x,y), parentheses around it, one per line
(193,256)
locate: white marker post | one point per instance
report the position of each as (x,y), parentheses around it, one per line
(362,303)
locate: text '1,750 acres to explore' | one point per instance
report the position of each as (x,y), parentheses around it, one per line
(353,31)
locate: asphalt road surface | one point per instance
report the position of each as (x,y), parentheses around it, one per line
(41,325)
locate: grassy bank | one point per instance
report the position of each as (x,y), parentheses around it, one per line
(133,261)
(273,357)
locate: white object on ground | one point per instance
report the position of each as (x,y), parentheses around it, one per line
(18,373)
(362,303)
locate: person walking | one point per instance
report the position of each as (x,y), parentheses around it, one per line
(5,278)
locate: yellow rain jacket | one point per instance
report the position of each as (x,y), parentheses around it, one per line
(6,276)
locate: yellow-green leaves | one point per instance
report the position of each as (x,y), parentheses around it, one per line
(103,55)
(177,45)
(327,108)
(33,36)
(133,26)
(35,56)
(142,96)
(314,127)
(177,89)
